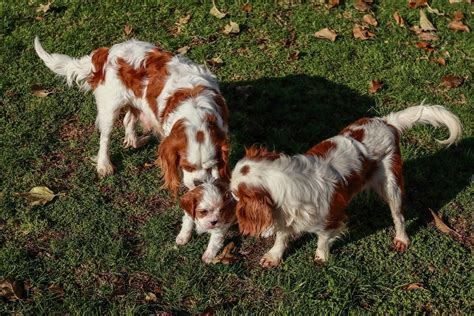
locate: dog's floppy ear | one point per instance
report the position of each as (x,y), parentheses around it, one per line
(190,201)
(254,210)
(168,156)
(221,141)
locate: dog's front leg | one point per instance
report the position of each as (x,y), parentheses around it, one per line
(215,244)
(186,230)
(273,257)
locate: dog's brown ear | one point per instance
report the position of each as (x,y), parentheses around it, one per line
(254,210)
(190,201)
(168,157)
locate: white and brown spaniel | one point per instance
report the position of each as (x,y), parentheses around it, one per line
(168,94)
(211,208)
(310,192)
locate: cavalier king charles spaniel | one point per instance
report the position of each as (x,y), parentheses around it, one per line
(211,207)
(170,96)
(310,192)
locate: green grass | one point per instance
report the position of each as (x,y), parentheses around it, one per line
(109,242)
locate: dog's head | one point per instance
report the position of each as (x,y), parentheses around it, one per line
(210,204)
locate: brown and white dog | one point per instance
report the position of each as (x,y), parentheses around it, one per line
(169,95)
(211,207)
(309,193)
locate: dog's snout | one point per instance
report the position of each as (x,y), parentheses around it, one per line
(197,182)
(213,223)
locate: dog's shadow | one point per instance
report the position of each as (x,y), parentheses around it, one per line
(293,113)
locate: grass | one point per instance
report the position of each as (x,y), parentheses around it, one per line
(107,243)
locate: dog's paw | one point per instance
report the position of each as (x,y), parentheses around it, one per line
(183,239)
(399,245)
(207,257)
(321,257)
(269,261)
(130,141)
(104,170)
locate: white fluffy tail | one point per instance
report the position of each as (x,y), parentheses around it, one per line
(435,115)
(74,69)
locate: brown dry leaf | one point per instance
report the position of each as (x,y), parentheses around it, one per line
(414,4)
(458,26)
(184,19)
(226,256)
(44,7)
(151,297)
(183,50)
(326,34)
(413,286)
(127,29)
(333,3)
(439,60)
(56,290)
(40,91)
(362,33)
(362,5)
(428,36)
(369,19)
(12,290)
(247,8)
(398,19)
(458,16)
(149,165)
(39,18)
(426,46)
(434,11)
(215,61)
(375,86)
(439,223)
(38,196)
(215,12)
(450,82)
(425,24)
(231,28)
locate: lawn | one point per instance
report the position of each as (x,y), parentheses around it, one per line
(102,246)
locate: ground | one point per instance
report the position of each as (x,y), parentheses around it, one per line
(105,245)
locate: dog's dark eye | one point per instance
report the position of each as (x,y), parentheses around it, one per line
(203,212)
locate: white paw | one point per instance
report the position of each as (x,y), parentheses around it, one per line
(321,256)
(104,170)
(269,261)
(208,256)
(130,141)
(183,239)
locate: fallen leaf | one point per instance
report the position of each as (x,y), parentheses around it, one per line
(231,28)
(362,33)
(428,36)
(425,24)
(184,19)
(459,1)
(151,297)
(439,60)
(247,8)
(40,91)
(56,290)
(426,46)
(450,82)
(369,19)
(183,50)
(434,11)
(215,11)
(39,196)
(149,165)
(398,19)
(413,286)
(416,29)
(414,4)
(127,29)
(333,3)
(375,86)
(44,7)
(458,26)
(458,16)
(12,290)
(226,256)
(326,34)
(39,18)
(215,61)
(362,5)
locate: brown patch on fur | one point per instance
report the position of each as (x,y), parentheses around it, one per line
(244,170)
(99,58)
(227,214)
(354,131)
(178,97)
(254,210)
(200,137)
(186,165)
(321,149)
(259,153)
(169,152)
(221,142)
(345,191)
(223,111)
(132,78)
(191,200)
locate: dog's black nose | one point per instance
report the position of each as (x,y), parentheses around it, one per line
(213,223)
(197,182)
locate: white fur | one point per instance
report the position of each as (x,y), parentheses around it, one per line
(302,186)
(112,95)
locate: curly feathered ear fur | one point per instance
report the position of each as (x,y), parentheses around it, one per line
(169,153)
(190,201)
(254,210)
